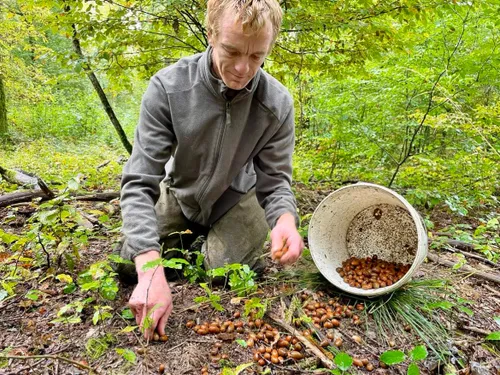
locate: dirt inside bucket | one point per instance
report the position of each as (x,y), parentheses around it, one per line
(386,230)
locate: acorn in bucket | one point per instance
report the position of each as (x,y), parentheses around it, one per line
(371,272)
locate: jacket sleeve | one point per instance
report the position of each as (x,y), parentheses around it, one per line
(145,169)
(273,166)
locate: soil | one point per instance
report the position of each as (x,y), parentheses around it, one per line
(26,327)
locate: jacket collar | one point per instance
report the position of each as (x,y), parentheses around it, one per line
(216,85)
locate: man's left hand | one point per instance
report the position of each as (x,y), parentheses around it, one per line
(285,236)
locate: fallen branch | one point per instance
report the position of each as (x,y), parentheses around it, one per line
(465,268)
(476,330)
(49,356)
(26,196)
(311,348)
(470,255)
(18,197)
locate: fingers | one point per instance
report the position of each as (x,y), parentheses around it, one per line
(277,240)
(295,247)
(163,321)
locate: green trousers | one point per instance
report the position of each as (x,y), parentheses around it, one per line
(238,236)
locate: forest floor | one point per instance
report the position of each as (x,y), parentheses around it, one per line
(35,344)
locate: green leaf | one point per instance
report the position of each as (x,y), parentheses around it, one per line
(466,310)
(66,279)
(242,343)
(73,184)
(418,353)
(152,264)
(217,272)
(493,336)
(127,354)
(33,295)
(70,288)
(343,361)
(413,369)
(128,329)
(392,357)
(175,263)
(336,371)
(127,314)
(445,305)
(3,294)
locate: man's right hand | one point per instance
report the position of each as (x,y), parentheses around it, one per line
(152,290)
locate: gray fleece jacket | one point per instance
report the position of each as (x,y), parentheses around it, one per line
(218,146)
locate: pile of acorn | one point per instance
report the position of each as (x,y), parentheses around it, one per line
(371,272)
(328,314)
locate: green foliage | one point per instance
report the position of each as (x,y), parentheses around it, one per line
(53,234)
(58,162)
(237,370)
(127,354)
(394,357)
(99,278)
(255,306)
(127,314)
(211,298)
(70,313)
(96,347)
(343,361)
(494,336)
(241,277)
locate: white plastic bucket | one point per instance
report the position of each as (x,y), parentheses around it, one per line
(362,220)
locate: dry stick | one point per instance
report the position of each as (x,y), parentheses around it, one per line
(476,330)
(455,250)
(313,349)
(465,269)
(49,356)
(494,291)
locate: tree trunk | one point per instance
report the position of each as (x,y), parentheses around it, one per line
(101,93)
(3,109)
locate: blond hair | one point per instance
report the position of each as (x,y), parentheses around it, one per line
(253,14)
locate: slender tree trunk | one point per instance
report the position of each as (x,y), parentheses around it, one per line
(102,94)
(3,109)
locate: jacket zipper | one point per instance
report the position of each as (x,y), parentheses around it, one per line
(227,123)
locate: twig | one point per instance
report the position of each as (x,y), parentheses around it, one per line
(175,347)
(49,356)
(470,255)
(465,268)
(494,291)
(44,250)
(312,348)
(476,330)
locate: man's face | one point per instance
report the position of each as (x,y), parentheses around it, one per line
(238,56)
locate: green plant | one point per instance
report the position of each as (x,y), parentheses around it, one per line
(344,362)
(127,354)
(241,277)
(211,298)
(71,312)
(237,370)
(393,357)
(494,336)
(96,347)
(256,307)
(99,278)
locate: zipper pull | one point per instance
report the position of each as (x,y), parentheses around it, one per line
(228,113)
